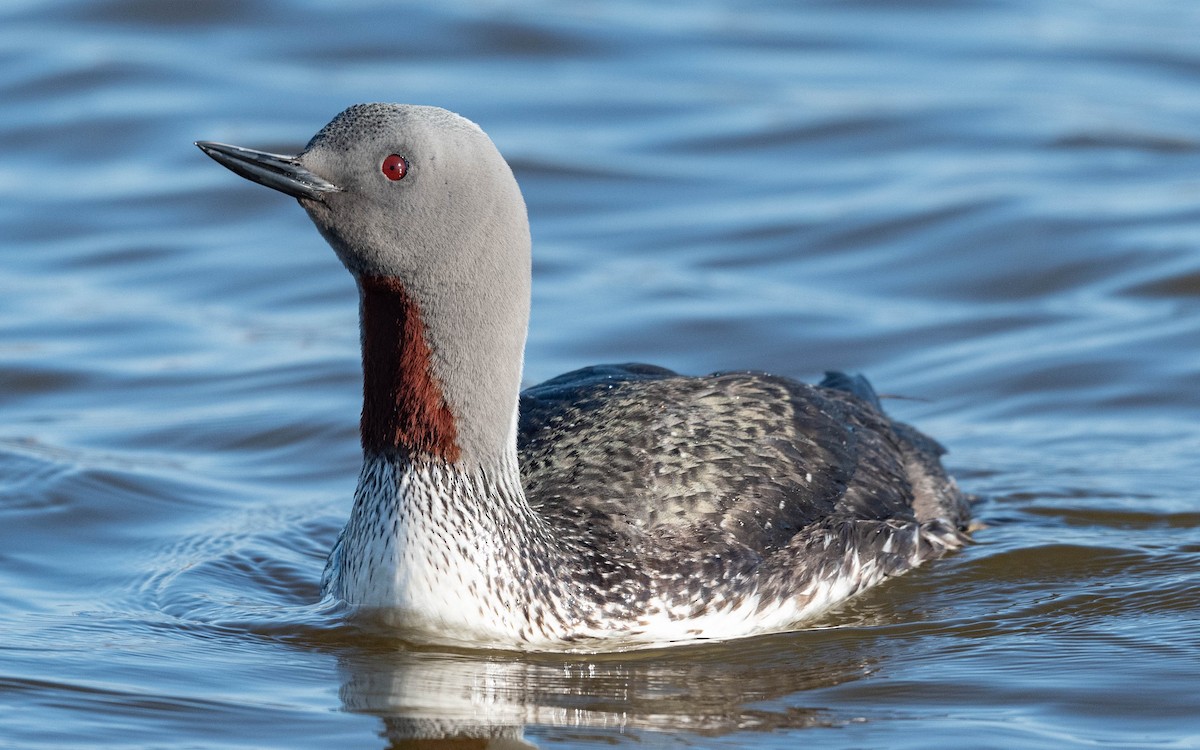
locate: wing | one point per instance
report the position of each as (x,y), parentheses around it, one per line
(735,460)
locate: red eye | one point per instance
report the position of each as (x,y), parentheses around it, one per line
(395,167)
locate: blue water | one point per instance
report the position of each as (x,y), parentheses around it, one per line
(990,208)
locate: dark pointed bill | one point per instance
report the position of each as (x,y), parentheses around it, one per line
(283,173)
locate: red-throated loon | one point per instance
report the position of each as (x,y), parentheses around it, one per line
(614,507)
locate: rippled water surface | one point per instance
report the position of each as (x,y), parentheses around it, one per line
(990,208)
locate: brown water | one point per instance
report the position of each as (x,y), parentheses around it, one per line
(991,208)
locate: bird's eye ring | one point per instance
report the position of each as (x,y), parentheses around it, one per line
(395,167)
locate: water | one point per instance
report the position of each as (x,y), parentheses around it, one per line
(991,208)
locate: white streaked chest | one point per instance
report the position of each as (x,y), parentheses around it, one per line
(420,552)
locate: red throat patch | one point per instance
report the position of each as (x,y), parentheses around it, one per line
(403,404)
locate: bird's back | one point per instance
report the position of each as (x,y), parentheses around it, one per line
(738,466)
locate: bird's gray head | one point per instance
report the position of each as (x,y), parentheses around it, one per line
(418,185)
(425,213)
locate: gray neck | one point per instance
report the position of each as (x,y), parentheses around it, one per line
(476,320)
(441,371)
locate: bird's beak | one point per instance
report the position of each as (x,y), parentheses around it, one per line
(283,173)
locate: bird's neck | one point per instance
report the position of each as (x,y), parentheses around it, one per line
(442,364)
(404,407)
(437,520)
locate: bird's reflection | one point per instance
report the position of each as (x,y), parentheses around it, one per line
(446,699)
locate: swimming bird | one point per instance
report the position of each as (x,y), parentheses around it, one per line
(614,507)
